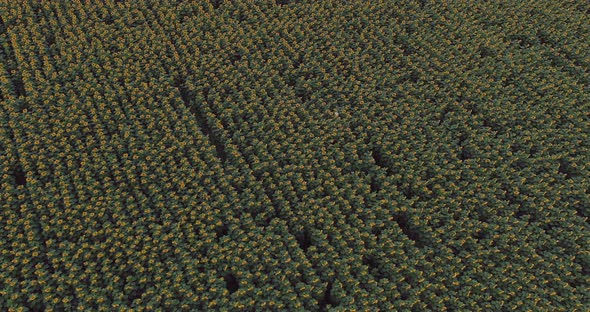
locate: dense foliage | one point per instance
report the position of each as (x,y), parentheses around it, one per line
(294,155)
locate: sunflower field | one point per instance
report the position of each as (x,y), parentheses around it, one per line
(276,155)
